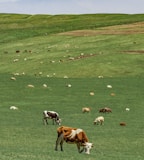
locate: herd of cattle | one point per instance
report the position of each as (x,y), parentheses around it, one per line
(74,135)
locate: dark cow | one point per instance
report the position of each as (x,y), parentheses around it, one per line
(51,115)
(122,124)
(105,110)
(73,136)
(102,110)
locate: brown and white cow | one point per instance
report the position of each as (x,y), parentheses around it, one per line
(51,115)
(73,136)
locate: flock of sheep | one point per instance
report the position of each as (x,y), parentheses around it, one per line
(100,119)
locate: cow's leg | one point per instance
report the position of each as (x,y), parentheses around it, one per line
(53,120)
(101,122)
(59,141)
(61,145)
(82,150)
(45,121)
(78,147)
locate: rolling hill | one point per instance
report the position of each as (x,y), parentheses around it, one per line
(72,45)
(87,53)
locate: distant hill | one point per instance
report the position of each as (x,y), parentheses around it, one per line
(75,45)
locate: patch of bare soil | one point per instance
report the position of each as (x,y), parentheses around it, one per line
(134,51)
(134,28)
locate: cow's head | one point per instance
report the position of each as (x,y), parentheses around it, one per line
(58,121)
(87,147)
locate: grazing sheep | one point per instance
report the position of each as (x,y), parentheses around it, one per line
(100,76)
(40,73)
(16,74)
(16,60)
(69,85)
(109,86)
(91,93)
(30,86)
(14,108)
(86,109)
(99,120)
(44,85)
(112,94)
(13,78)
(65,76)
(127,109)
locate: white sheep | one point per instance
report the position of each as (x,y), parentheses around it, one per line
(127,109)
(100,76)
(92,93)
(65,76)
(13,78)
(109,86)
(44,85)
(68,85)
(86,109)
(99,120)
(30,86)
(13,108)
(16,60)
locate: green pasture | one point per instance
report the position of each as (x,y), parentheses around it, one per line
(33,51)
(23,136)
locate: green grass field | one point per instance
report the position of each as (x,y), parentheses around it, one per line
(82,48)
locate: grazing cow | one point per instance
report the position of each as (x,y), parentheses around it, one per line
(74,136)
(105,110)
(108,110)
(122,124)
(51,115)
(99,120)
(102,110)
(86,109)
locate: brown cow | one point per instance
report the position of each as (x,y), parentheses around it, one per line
(122,124)
(105,110)
(74,136)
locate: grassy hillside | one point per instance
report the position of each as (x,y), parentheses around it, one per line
(23,136)
(87,51)
(108,45)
